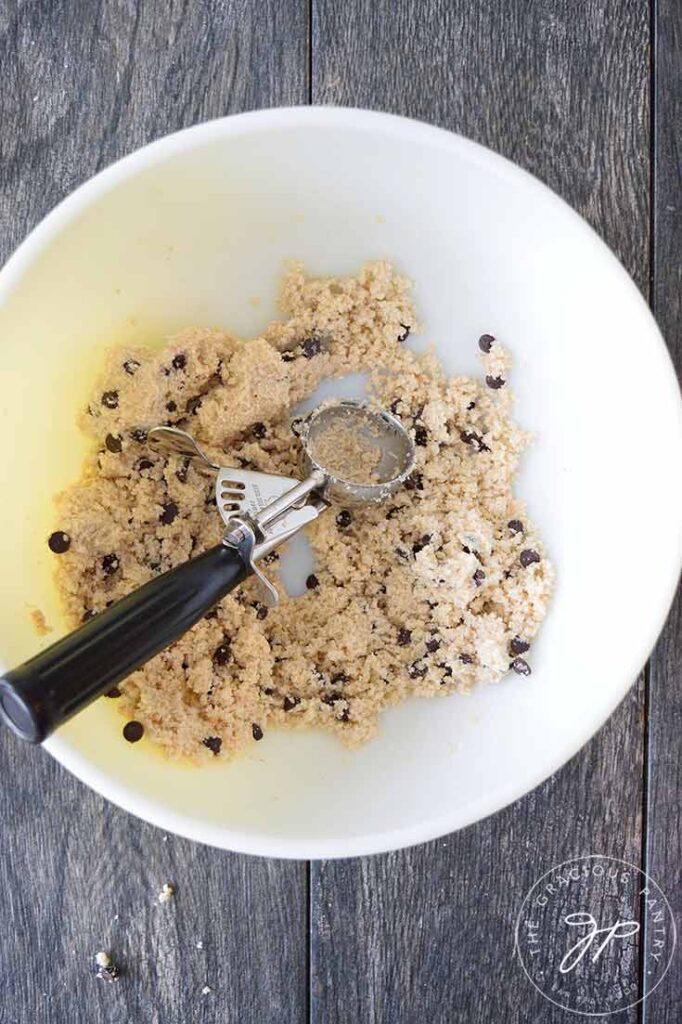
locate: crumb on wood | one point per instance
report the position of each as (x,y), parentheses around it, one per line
(107,970)
(167,893)
(206,990)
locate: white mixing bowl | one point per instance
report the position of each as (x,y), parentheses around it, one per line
(195,229)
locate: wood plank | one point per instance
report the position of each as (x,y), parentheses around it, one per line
(427,934)
(84,83)
(664,832)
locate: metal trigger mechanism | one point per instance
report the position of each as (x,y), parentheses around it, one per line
(263,510)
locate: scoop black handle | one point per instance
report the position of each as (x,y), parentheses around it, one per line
(42,693)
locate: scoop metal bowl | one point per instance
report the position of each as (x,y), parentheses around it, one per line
(382,432)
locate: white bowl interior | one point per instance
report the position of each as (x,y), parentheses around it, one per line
(196,230)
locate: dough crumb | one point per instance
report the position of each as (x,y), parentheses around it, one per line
(167,893)
(107,970)
(40,625)
(206,990)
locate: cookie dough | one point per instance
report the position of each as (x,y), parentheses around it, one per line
(442,587)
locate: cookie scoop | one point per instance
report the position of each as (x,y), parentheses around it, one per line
(350,453)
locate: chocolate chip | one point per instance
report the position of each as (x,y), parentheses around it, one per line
(518,646)
(495,382)
(88,614)
(474,439)
(267,690)
(213,614)
(130,366)
(466,659)
(447,670)
(402,554)
(223,653)
(288,357)
(179,361)
(256,731)
(527,557)
(485,342)
(296,426)
(133,731)
(110,564)
(479,576)
(214,743)
(259,430)
(143,464)
(169,514)
(420,544)
(110,399)
(139,434)
(406,333)
(521,667)
(515,525)
(339,679)
(113,443)
(394,406)
(181,472)
(344,519)
(344,716)
(432,645)
(417,670)
(415,482)
(421,437)
(392,512)
(262,613)
(312,582)
(272,556)
(404,637)
(311,347)
(59,542)
(290,702)
(171,406)
(332,697)
(113,692)
(193,405)
(470,406)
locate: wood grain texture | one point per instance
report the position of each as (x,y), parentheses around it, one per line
(428,934)
(86,81)
(559,87)
(664,833)
(83,83)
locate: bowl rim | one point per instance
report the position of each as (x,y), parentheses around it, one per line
(417,133)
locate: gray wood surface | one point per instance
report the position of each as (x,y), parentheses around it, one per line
(664,762)
(424,934)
